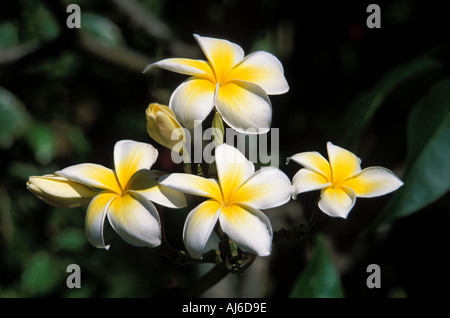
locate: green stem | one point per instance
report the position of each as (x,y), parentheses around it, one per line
(187,168)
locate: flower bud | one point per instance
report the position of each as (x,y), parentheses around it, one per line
(163,127)
(59,191)
(217,129)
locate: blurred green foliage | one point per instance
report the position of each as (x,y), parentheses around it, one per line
(14,119)
(319,279)
(67,95)
(427,172)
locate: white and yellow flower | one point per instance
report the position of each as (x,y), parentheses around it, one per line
(123,195)
(340,179)
(233,202)
(236,85)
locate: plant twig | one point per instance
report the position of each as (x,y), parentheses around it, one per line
(316,222)
(128,60)
(180,257)
(123,58)
(143,19)
(216,274)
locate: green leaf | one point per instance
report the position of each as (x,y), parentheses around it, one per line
(8,35)
(42,140)
(61,66)
(78,140)
(361,111)
(7,225)
(427,173)
(102,29)
(41,275)
(43,23)
(14,119)
(319,279)
(71,239)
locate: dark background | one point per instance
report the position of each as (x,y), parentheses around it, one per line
(81,90)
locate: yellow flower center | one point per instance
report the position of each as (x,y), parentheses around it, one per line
(221,74)
(226,201)
(334,183)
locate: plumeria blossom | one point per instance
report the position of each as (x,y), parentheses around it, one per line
(340,179)
(123,195)
(234,201)
(236,85)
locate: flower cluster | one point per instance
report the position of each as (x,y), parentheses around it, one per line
(237,87)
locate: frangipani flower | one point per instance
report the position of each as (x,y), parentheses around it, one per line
(236,85)
(233,202)
(124,195)
(340,180)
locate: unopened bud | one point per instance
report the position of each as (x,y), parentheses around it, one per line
(163,127)
(217,129)
(59,191)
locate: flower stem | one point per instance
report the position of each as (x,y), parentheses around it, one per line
(316,222)
(182,258)
(187,168)
(216,274)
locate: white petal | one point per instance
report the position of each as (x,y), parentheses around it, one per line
(185,66)
(135,219)
(314,161)
(245,107)
(222,54)
(248,227)
(192,184)
(192,101)
(95,218)
(233,169)
(344,164)
(92,175)
(337,201)
(130,157)
(146,184)
(267,188)
(373,182)
(262,69)
(306,180)
(198,227)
